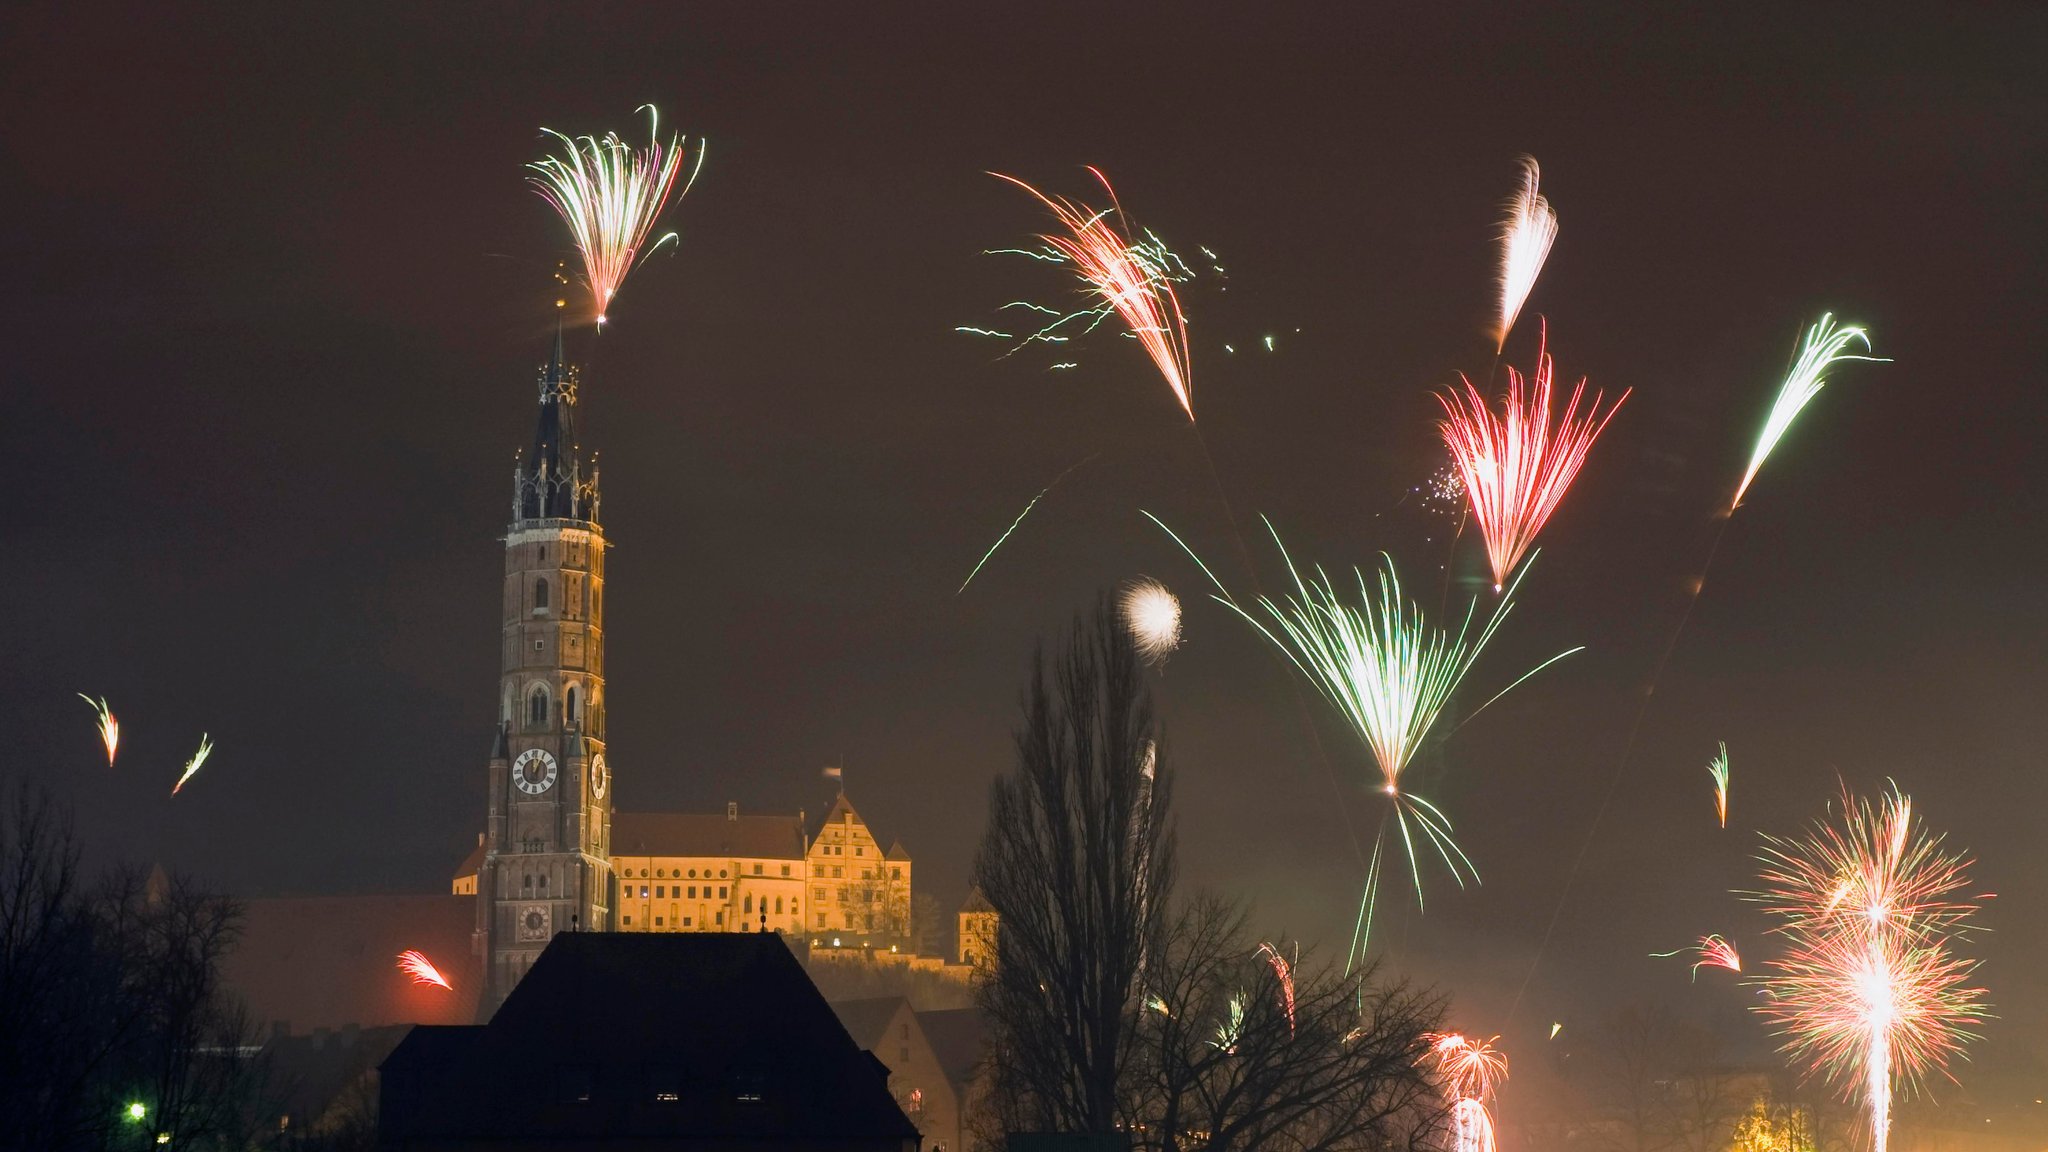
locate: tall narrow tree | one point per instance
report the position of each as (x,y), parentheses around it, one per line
(1078,863)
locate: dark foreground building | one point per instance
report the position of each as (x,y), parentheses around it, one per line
(709,1042)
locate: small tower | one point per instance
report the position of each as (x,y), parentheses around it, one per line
(547,830)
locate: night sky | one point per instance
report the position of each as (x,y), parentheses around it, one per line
(278,293)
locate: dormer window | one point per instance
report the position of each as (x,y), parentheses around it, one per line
(540,597)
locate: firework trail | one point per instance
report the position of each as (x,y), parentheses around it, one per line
(1283,971)
(1389,674)
(110,728)
(192,765)
(1231,1027)
(610,195)
(1152,614)
(1042,492)
(1718,769)
(1468,1070)
(1130,279)
(1825,346)
(1525,239)
(422,970)
(1821,349)
(1868,993)
(1516,467)
(1714,951)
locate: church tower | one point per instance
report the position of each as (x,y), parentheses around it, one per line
(547,832)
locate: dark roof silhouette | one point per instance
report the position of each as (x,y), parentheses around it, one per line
(867,1021)
(472,863)
(956,1036)
(684,1037)
(706,834)
(976,902)
(897,852)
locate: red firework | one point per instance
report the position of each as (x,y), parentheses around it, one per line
(1128,277)
(422,970)
(1518,465)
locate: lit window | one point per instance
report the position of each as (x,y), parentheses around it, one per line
(643,891)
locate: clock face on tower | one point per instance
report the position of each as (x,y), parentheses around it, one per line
(534,772)
(599,781)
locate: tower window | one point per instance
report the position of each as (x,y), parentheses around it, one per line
(540,595)
(537,707)
(571,700)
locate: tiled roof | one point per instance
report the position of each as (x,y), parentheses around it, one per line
(706,835)
(472,863)
(867,1021)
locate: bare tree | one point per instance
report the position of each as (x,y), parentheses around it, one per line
(110,996)
(1243,1050)
(1077,861)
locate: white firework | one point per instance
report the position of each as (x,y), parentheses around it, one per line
(1153,616)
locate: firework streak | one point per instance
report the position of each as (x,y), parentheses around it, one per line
(1823,348)
(110,729)
(421,969)
(1389,674)
(1517,467)
(192,765)
(1283,971)
(1718,769)
(1714,951)
(1525,239)
(610,195)
(1868,992)
(1130,279)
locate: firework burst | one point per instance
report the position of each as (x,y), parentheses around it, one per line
(1516,467)
(1718,769)
(610,195)
(1869,993)
(1389,674)
(1152,614)
(1130,278)
(1468,1070)
(192,765)
(421,969)
(110,728)
(1525,239)
(1825,346)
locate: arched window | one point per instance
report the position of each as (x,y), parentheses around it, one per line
(540,595)
(537,707)
(571,700)
(749,909)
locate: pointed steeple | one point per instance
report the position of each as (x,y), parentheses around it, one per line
(551,482)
